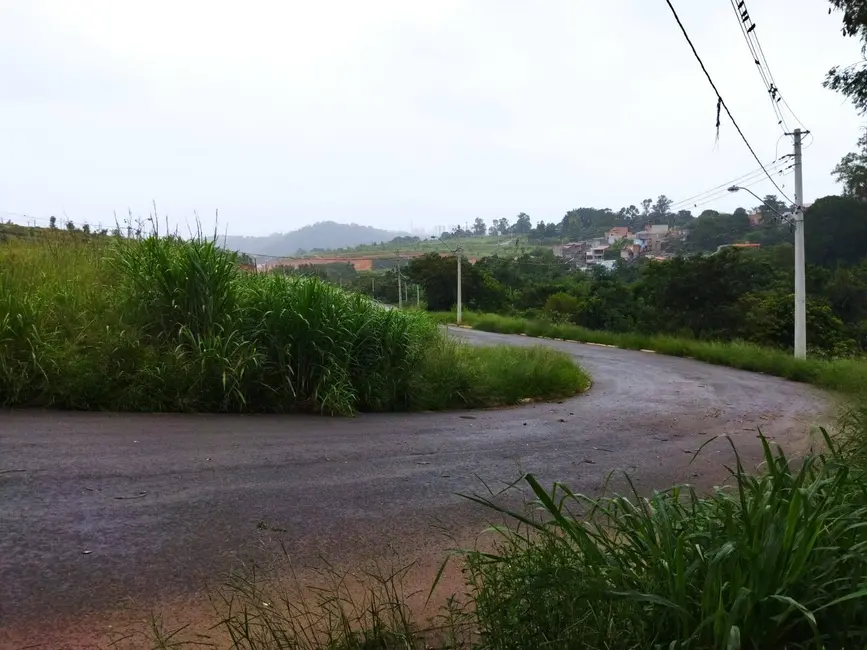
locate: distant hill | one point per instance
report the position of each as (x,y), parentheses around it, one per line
(323,235)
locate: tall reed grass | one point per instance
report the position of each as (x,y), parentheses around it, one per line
(164,324)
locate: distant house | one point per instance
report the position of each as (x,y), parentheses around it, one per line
(649,242)
(755,218)
(596,254)
(606,264)
(630,252)
(657,229)
(617,233)
(573,252)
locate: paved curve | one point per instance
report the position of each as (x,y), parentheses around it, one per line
(98,507)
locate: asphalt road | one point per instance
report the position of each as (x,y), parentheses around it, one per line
(99,508)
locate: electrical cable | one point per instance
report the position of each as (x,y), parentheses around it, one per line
(720,100)
(744,178)
(739,7)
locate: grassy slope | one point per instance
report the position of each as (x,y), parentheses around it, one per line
(166,325)
(845,375)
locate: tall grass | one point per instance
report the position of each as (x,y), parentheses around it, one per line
(777,560)
(845,375)
(162,324)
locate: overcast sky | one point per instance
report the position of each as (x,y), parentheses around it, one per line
(395,113)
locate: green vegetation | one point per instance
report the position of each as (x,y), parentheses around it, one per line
(848,376)
(161,324)
(774,561)
(732,295)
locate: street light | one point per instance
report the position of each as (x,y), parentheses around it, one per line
(797,219)
(785,217)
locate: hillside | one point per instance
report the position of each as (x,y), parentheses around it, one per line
(323,235)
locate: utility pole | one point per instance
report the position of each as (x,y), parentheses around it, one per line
(800,281)
(460,253)
(417,297)
(399,294)
(373,287)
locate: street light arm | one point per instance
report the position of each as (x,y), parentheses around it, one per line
(735,188)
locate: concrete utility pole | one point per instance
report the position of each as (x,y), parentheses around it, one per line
(797,220)
(399,294)
(800,281)
(460,253)
(417,297)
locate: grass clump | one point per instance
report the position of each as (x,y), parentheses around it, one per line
(342,611)
(163,324)
(480,376)
(845,375)
(778,560)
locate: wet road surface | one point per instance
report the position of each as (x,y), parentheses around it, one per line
(97,509)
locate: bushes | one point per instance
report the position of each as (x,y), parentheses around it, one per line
(161,324)
(777,561)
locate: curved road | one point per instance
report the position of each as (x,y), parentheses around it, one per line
(98,508)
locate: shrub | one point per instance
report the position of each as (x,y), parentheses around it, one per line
(776,561)
(561,306)
(163,324)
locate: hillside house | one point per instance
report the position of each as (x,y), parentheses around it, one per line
(596,254)
(573,252)
(617,233)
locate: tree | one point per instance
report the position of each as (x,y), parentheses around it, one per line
(712,229)
(503,226)
(479,227)
(439,278)
(493,230)
(771,208)
(835,229)
(523,224)
(52,223)
(587,222)
(683,218)
(851,171)
(701,294)
(851,81)
(661,207)
(627,216)
(70,226)
(645,207)
(552,230)
(85,229)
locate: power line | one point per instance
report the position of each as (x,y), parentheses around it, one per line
(720,100)
(747,29)
(744,178)
(712,199)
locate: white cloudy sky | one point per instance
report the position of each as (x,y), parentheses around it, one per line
(397,112)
